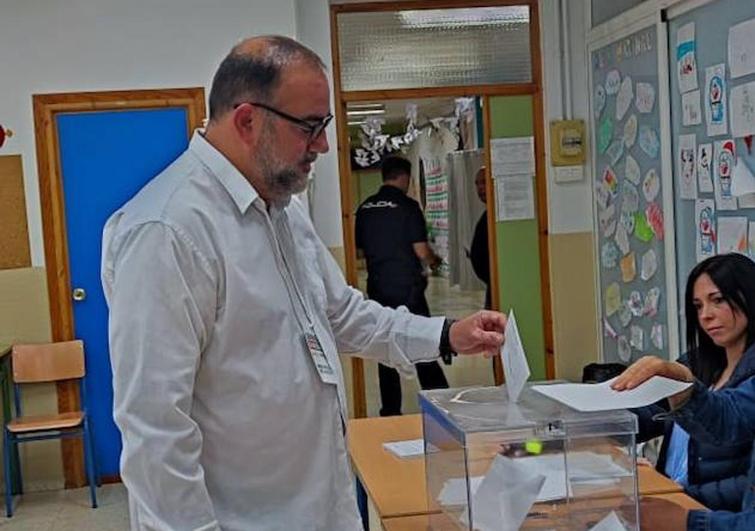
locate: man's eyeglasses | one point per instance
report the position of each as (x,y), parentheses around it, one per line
(313,128)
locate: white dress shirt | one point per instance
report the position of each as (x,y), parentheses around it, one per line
(225,421)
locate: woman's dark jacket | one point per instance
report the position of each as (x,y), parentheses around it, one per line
(716,474)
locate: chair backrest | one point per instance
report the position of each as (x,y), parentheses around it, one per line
(48,362)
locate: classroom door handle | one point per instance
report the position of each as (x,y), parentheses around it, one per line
(79,294)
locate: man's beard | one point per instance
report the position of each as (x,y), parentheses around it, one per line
(282,182)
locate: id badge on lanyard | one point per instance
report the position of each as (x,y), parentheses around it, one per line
(323,366)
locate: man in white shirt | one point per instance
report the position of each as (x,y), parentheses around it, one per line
(227,314)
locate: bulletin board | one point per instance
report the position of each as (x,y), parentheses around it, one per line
(711,61)
(14,234)
(628,192)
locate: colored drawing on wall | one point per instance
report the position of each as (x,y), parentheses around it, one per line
(705,168)
(687,178)
(705,216)
(723,165)
(715,100)
(649,142)
(692,113)
(686,63)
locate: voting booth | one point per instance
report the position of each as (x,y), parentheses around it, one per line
(492,464)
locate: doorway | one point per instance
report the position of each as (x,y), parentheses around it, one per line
(440,137)
(487,49)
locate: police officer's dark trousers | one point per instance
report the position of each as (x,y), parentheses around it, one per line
(430,374)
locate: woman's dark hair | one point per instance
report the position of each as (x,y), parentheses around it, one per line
(734,275)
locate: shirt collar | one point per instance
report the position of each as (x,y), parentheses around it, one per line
(238,187)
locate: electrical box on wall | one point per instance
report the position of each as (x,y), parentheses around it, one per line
(567,142)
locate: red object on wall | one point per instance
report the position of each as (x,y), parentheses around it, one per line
(4,133)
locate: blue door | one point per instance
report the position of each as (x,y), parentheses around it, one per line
(106,157)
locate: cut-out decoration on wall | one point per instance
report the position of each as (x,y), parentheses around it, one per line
(625,351)
(625,314)
(630,131)
(645,98)
(649,265)
(637,337)
(632,170)
(5,134)
(649,142)
(656,336)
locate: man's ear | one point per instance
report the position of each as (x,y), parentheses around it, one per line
(245,121)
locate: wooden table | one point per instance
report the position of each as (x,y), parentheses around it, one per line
(396,487)
(421,522)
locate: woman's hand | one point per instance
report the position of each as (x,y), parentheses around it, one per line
(647,367)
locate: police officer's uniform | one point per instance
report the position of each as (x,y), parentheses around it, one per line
(387,224)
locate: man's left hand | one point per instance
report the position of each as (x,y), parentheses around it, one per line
(480,332)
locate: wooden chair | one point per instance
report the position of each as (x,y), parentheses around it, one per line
(49,362)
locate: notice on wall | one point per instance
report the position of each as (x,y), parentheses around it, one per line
(515,198)
(741,50)
(743,110)
(513,156)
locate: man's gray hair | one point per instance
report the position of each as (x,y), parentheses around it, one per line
(252,71)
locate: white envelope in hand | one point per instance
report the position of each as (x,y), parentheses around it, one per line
(515,366)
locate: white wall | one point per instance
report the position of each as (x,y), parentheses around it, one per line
(92,45)
(313,30)
(569,204)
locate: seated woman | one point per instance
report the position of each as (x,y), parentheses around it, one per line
(720,312)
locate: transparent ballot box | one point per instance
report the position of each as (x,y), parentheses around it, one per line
(493,465)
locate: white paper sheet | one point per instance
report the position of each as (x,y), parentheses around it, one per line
(515,366)
(409,448)
(513,156)
(600,397)
(741,50)
(687,166)
(612,522)
(582,465)
(742,110)
(732,234)
(692,113)
(505,496)
(742,182)
(515,198)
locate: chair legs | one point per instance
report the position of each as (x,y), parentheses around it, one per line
(7,452)
(90,463)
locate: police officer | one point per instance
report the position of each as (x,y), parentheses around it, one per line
(391,233)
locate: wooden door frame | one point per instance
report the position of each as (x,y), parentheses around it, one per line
(46,108)
(534,89)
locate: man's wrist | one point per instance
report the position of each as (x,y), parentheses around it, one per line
(445,349)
